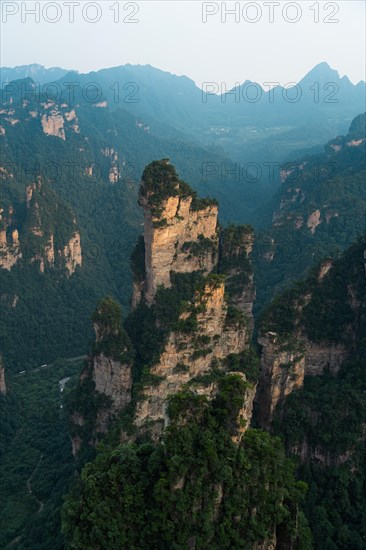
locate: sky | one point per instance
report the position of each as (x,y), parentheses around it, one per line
(274,41)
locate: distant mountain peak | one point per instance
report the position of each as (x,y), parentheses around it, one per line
(320,71)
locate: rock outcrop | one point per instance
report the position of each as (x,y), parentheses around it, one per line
(182,237)
(193,359)
(2,378)
(105,384)
(111,357)
(299,337)
(284,364)
(72,253)
(53,124)
(236,245)
(180,233)
(10,251)
(29,232)
(200,339)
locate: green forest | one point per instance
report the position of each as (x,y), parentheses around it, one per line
(166,495)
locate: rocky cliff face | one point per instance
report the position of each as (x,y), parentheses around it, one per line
(194,360)
(236,245)
(181,236)
(72,253)
(105,383)
(39,229)
(111,370)
(2,378)
(10,251)
(282,371)
(195,375)
(206,278)
(285,363)
(178,239)
(56,118)
(311,329)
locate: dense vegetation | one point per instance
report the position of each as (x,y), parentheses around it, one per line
(330,309)
(327,190)
(36,464)
(160,181)
(111,337)
(324,422)
(168,495)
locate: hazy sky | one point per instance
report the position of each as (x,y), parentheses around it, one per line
(172,36)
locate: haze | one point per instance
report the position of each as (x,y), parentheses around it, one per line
(172,36)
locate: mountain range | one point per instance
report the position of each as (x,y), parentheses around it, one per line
(249,123)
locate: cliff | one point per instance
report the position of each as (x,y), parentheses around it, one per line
(311,212)
(180,232)
(194,356)
(186,456)
(2,378)
(322,419)
(24,102)
(39,228)
(236,245)
(213,319)
(9,246)
(311,329)
(105,384)
(192,322)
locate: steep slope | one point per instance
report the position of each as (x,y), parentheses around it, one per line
(191,472)
(312,391)
(313,327)
(105,385)
(185,327)
(319,212)
(175,223)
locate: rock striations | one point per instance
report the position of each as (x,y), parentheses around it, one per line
(40,229)
(180,231)
(194,359)
(201,278)
(182,237)
(105,383)
(312,328)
